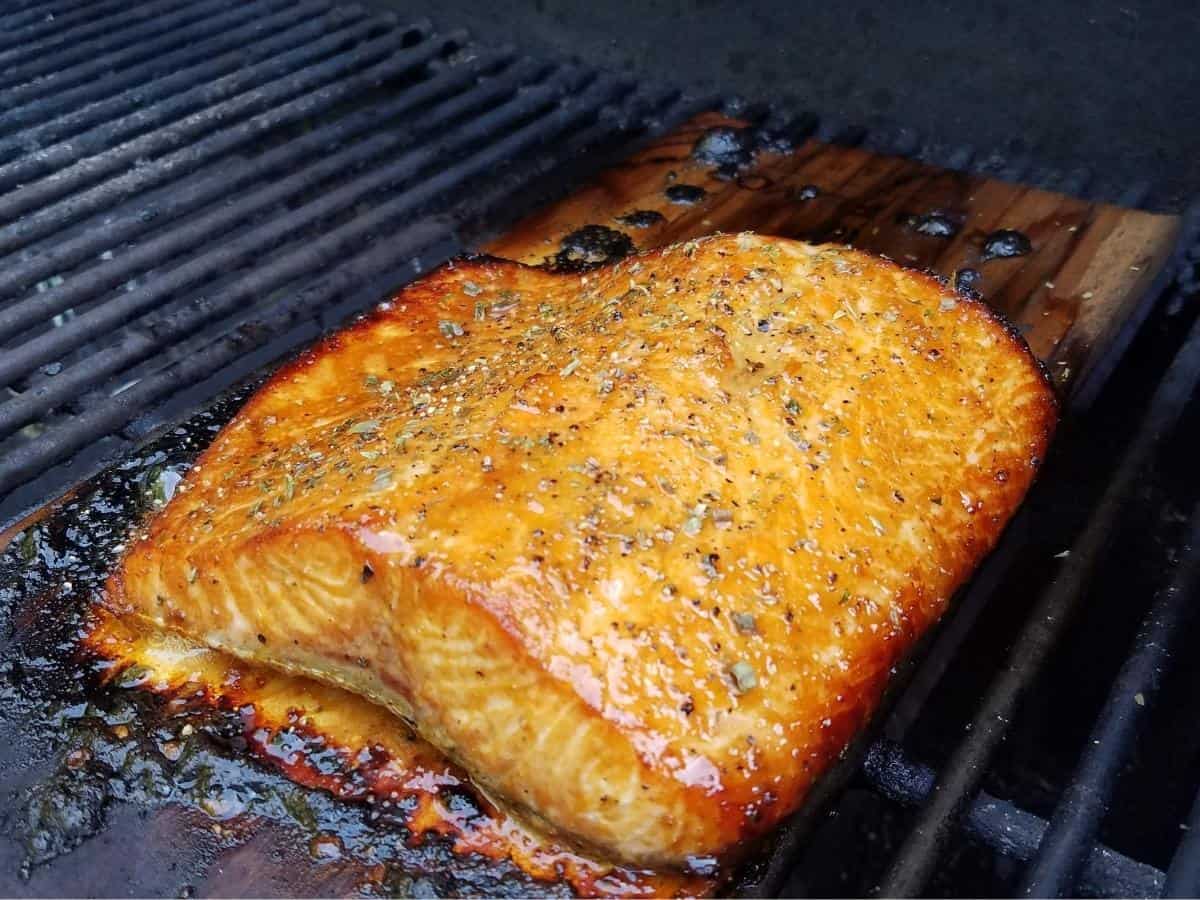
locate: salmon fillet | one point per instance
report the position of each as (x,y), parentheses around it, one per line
(637,547)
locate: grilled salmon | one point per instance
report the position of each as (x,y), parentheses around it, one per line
(636,546)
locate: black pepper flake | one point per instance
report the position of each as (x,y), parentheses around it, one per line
(367,573)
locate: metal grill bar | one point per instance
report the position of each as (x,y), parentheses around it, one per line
(49,73)
(1075,182)
(88,157)
(55,343)
(20,15)
(40,10)
(137,344)
(960,778)
(104,88)
(1183,877)
(1081,810)
(611,129)
(32,58)
(60,256)
(174,165)
(124,406)
(1008,829)
(58,24)
(101,419)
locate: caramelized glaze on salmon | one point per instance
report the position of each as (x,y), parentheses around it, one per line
(636,547)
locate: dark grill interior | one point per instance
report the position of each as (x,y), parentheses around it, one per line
(191,190)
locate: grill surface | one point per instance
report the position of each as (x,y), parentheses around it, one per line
(189,190)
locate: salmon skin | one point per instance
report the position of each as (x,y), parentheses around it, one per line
(637,547)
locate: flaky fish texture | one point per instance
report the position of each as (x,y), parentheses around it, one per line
(638,546)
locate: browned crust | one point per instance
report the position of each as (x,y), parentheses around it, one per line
(486,263)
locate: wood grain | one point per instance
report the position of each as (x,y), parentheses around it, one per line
(1090,262)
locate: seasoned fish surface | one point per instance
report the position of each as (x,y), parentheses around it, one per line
(637,547)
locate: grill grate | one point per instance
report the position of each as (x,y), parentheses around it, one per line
(1084,801)
(1010,830)
(65,103)
(319,149)
(192,189)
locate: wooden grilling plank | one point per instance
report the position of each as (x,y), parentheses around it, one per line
(1088,265)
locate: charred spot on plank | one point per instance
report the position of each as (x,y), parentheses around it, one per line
(967,282)
(937,223)
(590,246)
(1005,244)
(685,194)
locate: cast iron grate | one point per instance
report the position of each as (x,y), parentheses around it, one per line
(190,189)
